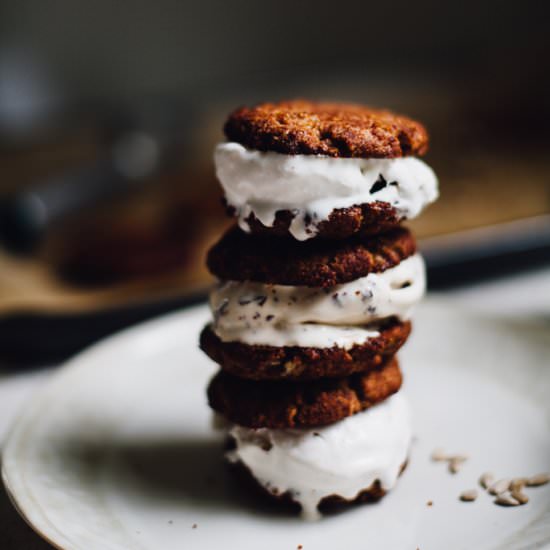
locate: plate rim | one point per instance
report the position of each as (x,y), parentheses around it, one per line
(35,517)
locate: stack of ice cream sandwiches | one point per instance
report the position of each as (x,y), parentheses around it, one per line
(317,283)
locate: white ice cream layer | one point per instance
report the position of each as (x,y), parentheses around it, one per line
(340,459)
(312,186)
(278,315)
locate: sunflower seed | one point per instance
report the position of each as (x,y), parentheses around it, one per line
(537,480)
(439,455)
(468,496)
(517,484)
(499,487)
(455,463)
(454,466)
(460,458)
(522,498)
(486,480)
(506,500)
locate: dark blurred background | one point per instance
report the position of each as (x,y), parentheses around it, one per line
(109,112)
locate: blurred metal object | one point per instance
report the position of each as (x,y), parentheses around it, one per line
(137,139)
(132,158)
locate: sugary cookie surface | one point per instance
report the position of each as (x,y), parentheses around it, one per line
(302,127)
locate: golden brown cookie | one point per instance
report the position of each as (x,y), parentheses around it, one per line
(303,127)
(257,362)
(364,220)
(238,256)
(282,405)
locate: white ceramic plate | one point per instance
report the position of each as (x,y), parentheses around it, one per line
(118,453)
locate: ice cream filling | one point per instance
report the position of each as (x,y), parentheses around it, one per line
(339,459)
(344,315)
(312,186)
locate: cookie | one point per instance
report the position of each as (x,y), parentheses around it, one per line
(256,362)
(332,129)
(280,405)
(364,220)
(239,256)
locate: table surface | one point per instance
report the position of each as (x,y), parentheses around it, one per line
(523,296)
